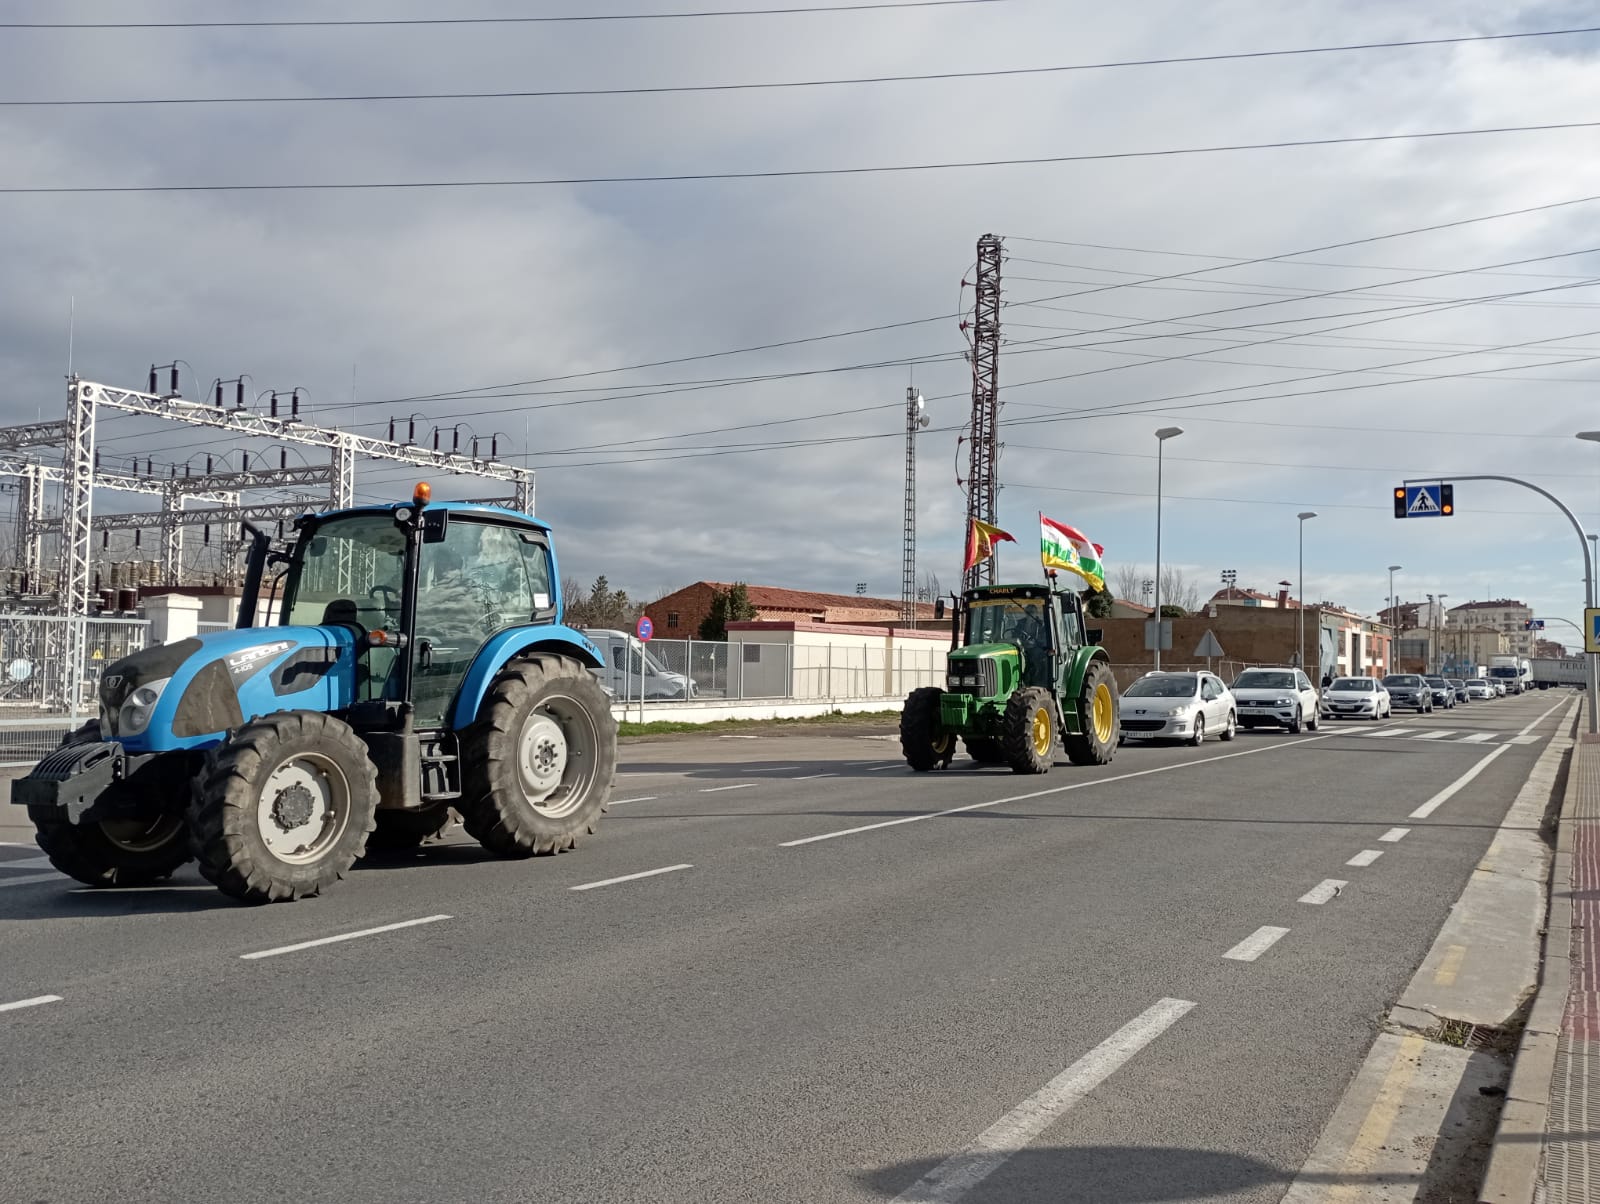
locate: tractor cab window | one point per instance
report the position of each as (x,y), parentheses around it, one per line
(349,571)
(1007,621)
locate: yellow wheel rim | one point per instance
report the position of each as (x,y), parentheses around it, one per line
(1041,732)
(941,744)
(1104,712)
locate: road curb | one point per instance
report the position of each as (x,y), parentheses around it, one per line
(1517,1156)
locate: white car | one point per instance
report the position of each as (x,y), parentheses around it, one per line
(1478,688)
(1178,706)
(1499,688)
(1356,698)
(1280,697)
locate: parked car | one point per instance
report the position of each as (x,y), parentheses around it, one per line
(1499,688)
(1444,694)
(1281,697)
(1410,691)
(1479,689)
(1460,687)
(1356,698)
(1177,706)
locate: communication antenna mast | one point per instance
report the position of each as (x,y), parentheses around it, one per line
(983,476)
(916,419)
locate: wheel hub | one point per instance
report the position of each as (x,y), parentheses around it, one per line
(293,808)
(543,758)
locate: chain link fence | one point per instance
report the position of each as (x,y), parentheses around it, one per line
(35,675)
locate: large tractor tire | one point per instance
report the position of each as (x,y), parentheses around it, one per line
(1030,731)
(539,760)
(985,750)
(283,807)
(922,738)
(401,830)
(1096,742)
(113,852)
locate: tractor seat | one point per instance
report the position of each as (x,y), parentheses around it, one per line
(341,612)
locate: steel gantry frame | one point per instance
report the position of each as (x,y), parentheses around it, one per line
(79,478)
(983,471)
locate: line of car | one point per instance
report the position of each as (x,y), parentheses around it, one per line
(1193,705)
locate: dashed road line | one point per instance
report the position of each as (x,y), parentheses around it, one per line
(1438,735)
(735,786)
(812,777)
(881,768)
(1328,888)
(1257,943)
(775,769)
(1394,834)
(1478,738)
(36,1001)
(1386,731)
(343,936)
(953,1178)
(666,869)
(30,879)
(1365,857)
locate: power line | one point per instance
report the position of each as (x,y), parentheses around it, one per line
(575,18)
(795,172)
(773,85)
(1240,501)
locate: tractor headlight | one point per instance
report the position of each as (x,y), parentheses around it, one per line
(134,715)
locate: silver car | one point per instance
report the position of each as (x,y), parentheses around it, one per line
(1356,698)
(1280,697)
(1178,706)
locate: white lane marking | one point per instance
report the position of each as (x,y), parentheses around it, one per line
(737,786)
(955,1176)
(1365,857)
(1017,798)
(1257,943)
(29,1003)
(1387,731)
(881,768)
(776,768)
(1541,718)
(738,737)
(1394,834)
(1444,796)
(666,869)
(1478,738)
(812,777)
(643,798)
(1438,735)
(30,879)
(343,936)
(1319,894)
(17,844)
(1524,739)
(888,764)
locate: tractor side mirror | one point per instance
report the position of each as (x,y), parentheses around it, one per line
(434,525)
(938,608)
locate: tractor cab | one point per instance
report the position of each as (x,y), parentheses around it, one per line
(1022,673)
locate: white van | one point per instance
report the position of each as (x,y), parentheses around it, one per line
(626,658)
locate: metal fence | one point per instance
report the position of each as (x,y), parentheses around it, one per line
(715,671)
(35,675)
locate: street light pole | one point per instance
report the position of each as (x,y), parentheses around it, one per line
(1303,515)
(1162,435)
(1394,621)
(1444,621)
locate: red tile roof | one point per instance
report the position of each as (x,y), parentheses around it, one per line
(774,597)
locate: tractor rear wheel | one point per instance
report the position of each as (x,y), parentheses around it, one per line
(283,807)
(985,750)
(539,760)
(113,852)
(1096,741)
(1030,731)
(398,830)
(922,738)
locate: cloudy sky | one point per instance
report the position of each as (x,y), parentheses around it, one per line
(1304,377)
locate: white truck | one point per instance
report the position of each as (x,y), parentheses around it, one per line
(1550,671)
(1513,671)
(630,666)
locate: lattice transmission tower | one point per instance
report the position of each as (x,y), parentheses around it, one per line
(983,472)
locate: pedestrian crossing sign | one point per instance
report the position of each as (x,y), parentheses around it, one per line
(1425,501)
(1591,629)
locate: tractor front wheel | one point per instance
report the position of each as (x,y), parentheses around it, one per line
(1030,731)
(539,761)
(922,738)
(1096,741)
(283,807)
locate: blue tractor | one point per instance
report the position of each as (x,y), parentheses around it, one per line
(421,665)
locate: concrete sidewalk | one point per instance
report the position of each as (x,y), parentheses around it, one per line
(1547,1148)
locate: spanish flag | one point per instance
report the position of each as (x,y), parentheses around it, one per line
(981,538)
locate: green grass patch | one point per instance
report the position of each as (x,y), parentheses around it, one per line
(673,726)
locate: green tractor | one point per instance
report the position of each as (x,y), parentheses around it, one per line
(1023,673)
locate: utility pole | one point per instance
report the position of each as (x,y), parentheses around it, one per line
(983,468)
(916,419)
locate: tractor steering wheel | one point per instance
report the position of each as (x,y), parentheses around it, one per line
(389,595)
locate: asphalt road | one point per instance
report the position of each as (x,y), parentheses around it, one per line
(853,983)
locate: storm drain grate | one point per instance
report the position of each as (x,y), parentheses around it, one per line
(1572,1158)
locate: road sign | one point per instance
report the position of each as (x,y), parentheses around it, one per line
(1591,629)
(1158,635)
(1425,501)
(645,629)
(1535,624)
(1208,647)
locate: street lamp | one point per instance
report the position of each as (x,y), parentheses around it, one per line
(1302,516)
(1439,668)
(1394,622)
(1162,435)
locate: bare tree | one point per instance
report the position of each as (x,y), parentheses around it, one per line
(1177,590)
(1128,582)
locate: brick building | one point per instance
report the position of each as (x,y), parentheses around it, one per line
(678,615)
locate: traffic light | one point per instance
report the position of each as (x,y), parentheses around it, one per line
(1447,499)
(1399,501)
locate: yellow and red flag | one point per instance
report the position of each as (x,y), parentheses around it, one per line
(981,538)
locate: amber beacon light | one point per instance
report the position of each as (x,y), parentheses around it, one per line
(422,494)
